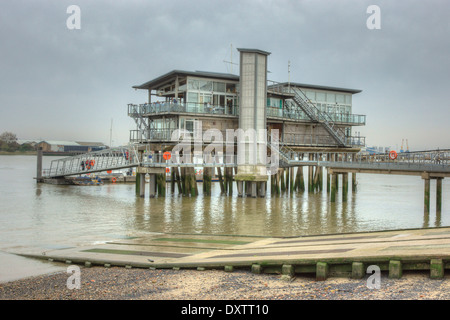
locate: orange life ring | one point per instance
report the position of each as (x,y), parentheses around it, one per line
(167,155)
(114,180)
(392,155)
(167,170)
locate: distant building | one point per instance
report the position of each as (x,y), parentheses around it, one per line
(30,142)
(70,146)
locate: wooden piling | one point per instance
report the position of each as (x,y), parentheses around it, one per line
(353,181)
(219,174)
(207,181)
(229,179)
(161,184)
(310,179)
(277,182)
(344,186)
(316,178)
(438,195)
(272,184)
(299,180)
(291,179)
(320,178)
(178,177)
(172,180)
(328,180)
(40,153)
(333,187)
(427,196)
(240,188)
(192,182)
(138,184)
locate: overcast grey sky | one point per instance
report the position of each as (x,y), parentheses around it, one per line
(61,84)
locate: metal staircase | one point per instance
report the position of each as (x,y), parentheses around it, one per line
(316,115)
(143,126)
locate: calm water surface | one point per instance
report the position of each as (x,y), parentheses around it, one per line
(51,216)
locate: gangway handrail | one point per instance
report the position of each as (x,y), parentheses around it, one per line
(95,161)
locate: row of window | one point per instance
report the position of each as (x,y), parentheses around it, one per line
(210,86)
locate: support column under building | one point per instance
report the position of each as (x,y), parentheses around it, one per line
(252,117)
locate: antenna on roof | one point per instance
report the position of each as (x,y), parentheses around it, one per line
(231,59)
(289,75)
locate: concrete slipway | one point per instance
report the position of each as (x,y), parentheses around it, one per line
(325,255)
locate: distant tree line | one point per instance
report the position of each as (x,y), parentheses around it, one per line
(8,143)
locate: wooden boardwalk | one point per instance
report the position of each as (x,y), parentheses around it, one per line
(325,255)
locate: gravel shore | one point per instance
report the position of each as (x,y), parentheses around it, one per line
(98,283)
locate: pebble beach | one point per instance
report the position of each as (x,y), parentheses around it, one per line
(99,283)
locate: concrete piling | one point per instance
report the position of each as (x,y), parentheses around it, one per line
(141,177)
(152,186)
(358,271)
(395,269)
(322,271)
(436,269)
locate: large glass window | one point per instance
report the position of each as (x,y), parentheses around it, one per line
(320,96)
(193,84)
(219,87)
(205,85)
(348,99)
(311,95)
(340,98)
(331,97)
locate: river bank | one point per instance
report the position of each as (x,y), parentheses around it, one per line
(99,283)
(18,153)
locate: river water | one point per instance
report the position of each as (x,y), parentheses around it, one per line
(52,216)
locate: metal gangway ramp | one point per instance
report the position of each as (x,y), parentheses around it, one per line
(91,162)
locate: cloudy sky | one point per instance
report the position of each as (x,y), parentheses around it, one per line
(62,84)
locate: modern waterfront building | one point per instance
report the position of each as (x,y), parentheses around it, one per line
(307,116)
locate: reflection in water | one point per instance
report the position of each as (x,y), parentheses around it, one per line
(41,214)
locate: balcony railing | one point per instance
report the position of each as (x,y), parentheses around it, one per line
(291,138)
(197,108)
(355,119)
(177,107)
(287,138)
